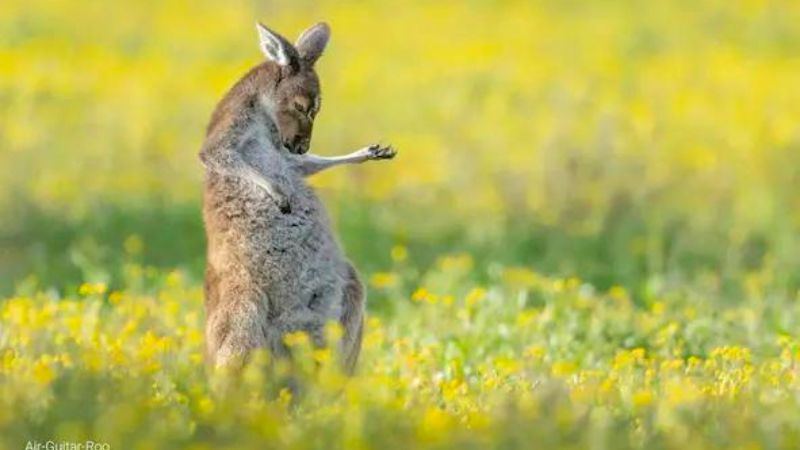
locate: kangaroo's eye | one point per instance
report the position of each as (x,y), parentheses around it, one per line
(300,106)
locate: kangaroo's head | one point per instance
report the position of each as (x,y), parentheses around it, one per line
(295,98)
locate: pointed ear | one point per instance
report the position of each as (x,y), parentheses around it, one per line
(275,46)
(312,42)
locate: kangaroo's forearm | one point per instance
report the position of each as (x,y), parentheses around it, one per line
(229,162)
(309,164)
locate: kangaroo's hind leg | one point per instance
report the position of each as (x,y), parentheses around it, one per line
(352,319)
(235,325)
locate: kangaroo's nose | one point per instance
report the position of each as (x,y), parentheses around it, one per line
(300,145)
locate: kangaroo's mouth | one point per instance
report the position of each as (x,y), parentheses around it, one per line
(297,148)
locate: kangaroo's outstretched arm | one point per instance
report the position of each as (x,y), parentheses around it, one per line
(310,163)
(247,165)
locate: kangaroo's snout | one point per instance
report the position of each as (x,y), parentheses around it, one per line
(298,145)
(295,130)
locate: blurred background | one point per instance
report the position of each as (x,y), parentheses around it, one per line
(645,144)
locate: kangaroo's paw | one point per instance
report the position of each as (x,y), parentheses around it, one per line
(377,151)
(284,205)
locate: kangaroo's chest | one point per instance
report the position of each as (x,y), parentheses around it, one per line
(278,248)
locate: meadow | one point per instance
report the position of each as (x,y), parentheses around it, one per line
(589,239)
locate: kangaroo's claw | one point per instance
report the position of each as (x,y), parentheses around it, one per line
(376,151)
(283,204)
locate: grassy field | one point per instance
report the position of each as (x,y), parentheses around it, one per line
(590,237)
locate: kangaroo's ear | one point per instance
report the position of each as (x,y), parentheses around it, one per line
(275,46)
(312,42)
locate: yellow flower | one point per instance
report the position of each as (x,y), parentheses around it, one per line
(399,253)
(87,289)
(520,277)
(535,352)
(115,297)
(43,373)
(322,355)
(452,389)
(384,280)
(434,424)
(658,308)
(205,406)
(423,295)
(526,317)
(174,279)
(333,331)
(474,296)
(783,339)
(563,368)
(642,398)
(285,397)
(455,263)
(133,244)
(506,366)
(296,339)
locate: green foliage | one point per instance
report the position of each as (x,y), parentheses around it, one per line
(589,238)
(523,359)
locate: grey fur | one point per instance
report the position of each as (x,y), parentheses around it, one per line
(312,42)
(273,263)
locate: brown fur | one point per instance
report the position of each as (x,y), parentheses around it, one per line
(273,264)
(353,319)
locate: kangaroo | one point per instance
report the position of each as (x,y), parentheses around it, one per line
(273,264)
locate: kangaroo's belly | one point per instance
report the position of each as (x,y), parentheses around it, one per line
(291,259)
